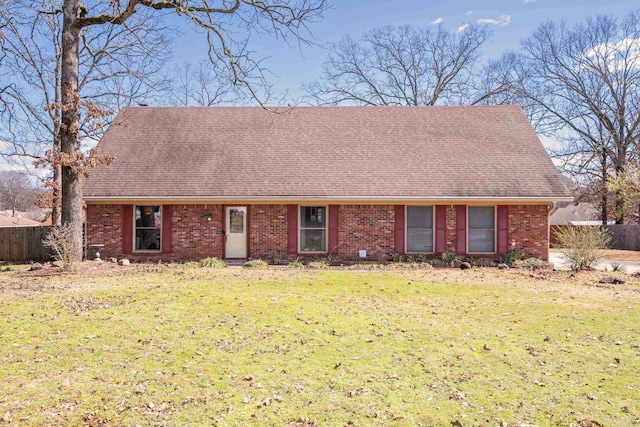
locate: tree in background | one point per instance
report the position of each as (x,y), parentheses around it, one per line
(581,86)
(17,192)
(202,85)
(405,66)
(117,65)
(227,26)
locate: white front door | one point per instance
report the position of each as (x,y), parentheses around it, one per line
(236,231)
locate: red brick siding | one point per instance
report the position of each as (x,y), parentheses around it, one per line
(369,227)
(450,230)
(104,224)
(366,227)
(194,236)
(529,228)
(268,231)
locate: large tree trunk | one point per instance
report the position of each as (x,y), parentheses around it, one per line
(56,196)
(69,142)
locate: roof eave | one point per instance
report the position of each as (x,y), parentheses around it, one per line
(325,199)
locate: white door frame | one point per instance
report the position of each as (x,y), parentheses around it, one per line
(236,232)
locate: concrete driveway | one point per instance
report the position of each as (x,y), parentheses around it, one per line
(557,259)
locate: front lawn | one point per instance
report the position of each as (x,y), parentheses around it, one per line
(178,345)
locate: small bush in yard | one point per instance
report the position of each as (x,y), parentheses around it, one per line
(533,264)
(61,240)
(212,262)
(255,263)
(583,246)
(318,265)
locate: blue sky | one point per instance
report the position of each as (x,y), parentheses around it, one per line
(510,20)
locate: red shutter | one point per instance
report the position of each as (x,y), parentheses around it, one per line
(503,229)
(292,229)
(398,229)
(127,229)
(333,228)
(441,228)
(167,221)
(461,229)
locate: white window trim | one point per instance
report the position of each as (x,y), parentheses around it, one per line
(326,228)
(146,251)
(433,229)
(495,230)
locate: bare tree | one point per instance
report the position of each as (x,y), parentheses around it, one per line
(117,65)
(203,85)
(403,66)
(582,87)
(17,192)
(227,24)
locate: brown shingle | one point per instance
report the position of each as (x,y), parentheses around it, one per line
(325,152)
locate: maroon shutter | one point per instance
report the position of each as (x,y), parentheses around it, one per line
(127,229)
(292,229)
(167,221)
(441,228)
(333,228)
(503,229)
(461,229)
(398,229)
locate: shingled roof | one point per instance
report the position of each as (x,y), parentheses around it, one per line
(361,153)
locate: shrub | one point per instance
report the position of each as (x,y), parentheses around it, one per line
(212,262)
(255,263)
(510,259)
(320,265)
(436,262)
(534,264)
(276,257)
(61,240)
(396,257)
(481,262)
(583,246)
(295,264)
(451,259)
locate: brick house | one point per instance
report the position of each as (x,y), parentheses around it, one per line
(241,182)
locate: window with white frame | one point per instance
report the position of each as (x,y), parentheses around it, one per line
(313,229)
(481,229)
(419,229)
(148,225)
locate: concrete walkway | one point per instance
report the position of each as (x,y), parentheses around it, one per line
(559,262)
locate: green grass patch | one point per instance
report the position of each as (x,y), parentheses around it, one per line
(182,345)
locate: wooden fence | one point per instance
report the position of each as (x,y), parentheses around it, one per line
(23,244)
(626,236)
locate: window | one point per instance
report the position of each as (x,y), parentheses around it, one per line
(313,229)
(419,229)
(481,222)
(148,222)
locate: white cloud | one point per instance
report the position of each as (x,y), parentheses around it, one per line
(470,13)
(619,56)
(502,20)
(437,21)
(462,27)
(529,1)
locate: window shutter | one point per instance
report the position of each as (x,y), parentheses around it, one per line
(461,229)
(167,221)
(333,228)
(503,229)
(292,229)
(127,229)
(398,229)
(441,228)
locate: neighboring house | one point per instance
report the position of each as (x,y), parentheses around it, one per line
(570,213)
(17,221)
(241,182)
